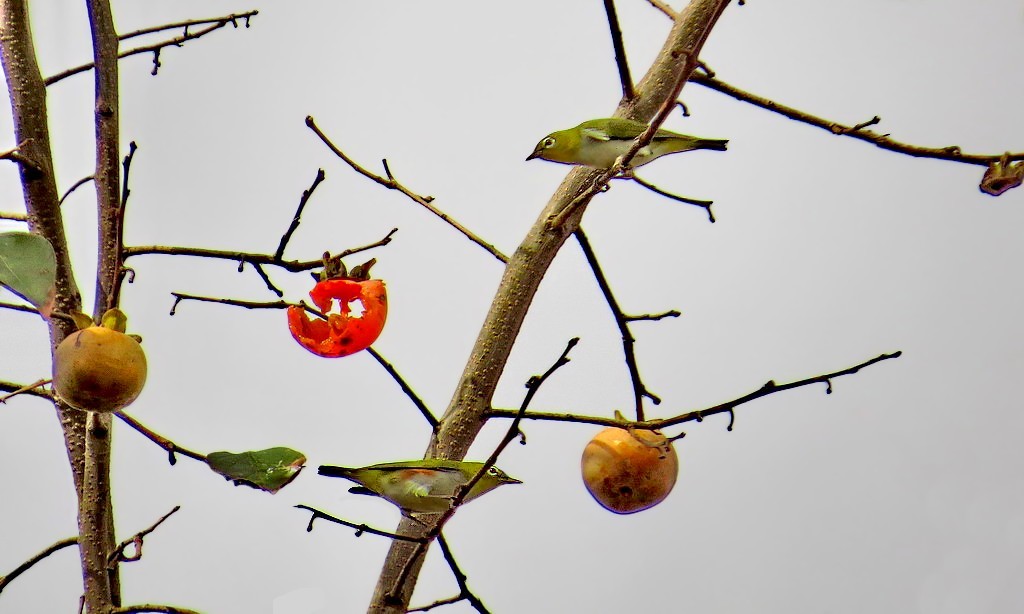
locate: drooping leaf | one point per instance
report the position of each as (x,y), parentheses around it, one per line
(28,268)
(270,470)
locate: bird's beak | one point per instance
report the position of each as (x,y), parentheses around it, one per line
(513,480)
(535,154)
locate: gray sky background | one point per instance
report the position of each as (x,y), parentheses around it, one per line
(899,492)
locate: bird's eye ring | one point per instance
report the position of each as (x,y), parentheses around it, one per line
(492,471)
(549,142)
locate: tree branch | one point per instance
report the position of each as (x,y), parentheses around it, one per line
(698,415)
(466,412)
(392,184)
(20,569)
(625,79)
(950,153)
(155,48)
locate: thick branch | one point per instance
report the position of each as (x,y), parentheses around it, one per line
(466,411)
(28,104)
(95,509)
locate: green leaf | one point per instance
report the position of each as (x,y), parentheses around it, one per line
(269,470)
(28,268)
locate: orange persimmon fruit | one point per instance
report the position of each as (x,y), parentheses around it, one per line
(342,333)
(627,471)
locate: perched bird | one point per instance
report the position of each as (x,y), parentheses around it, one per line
(427,486)
(599,142)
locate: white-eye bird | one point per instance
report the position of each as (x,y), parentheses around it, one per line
(599,142)
(427,486)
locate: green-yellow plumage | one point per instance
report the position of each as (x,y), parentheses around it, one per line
(599,142)
(427,486)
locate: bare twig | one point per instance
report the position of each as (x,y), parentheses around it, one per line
(950,153)
(392,184)
(152,607)
(168,445)
(705,204)
(664,8)
(360,528)
(155,48)
(16,307)
(696,416)
(409,392)
(181,296)
(620,50)
(639,389)
(14,217)
(460,577)
(29,389)
(532,386)
(136,540)
(672,313)
(20,569)
(15,155)
(643,139)
(279,253)
(74,186)
(221,21)
(293,266)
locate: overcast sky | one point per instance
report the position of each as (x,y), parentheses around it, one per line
(899,492)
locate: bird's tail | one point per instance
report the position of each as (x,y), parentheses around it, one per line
(715,144)
(332,471)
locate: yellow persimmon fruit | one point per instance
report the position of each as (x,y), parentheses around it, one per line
(99,369)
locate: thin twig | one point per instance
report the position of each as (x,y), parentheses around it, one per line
(152,607)
(293,266)
(392,184)
(360,528)
(75,186)
(118,554)
(233,18)
(14,217)
(643,139)
(29,389)
(20,569)
(464,593)
(181,296)
(16,307)
(409,392)
(664,8)
(639,389)
(704,204)
(155,48)
(15,154)
(653,317)
(168,445)
(279,253)
(694,416)
(532,386)
(620,50)
(950,153)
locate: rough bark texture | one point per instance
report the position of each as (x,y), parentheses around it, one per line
(28,105)
(96,511)
(465,414)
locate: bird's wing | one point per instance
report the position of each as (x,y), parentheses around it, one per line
(403,465)
(596,134)
(430,482)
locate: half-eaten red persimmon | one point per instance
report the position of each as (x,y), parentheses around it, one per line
(343,332)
